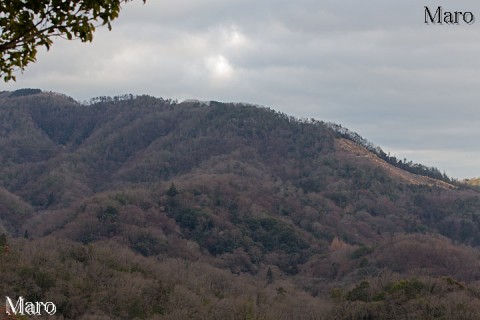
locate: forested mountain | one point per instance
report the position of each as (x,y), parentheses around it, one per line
(140,207)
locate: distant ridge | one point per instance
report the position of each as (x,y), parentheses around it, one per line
(409,166)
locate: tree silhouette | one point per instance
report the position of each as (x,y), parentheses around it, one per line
(28,24)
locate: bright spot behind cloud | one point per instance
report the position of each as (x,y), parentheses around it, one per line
(235,38)
(219,67)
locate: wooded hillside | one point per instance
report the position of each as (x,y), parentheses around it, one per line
(140,207)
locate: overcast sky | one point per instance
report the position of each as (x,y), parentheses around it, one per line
(372,66)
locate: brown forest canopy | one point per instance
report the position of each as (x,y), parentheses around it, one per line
(200,206)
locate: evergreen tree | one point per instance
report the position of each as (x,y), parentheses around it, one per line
(172,191)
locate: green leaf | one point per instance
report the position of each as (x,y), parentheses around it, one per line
(23,26)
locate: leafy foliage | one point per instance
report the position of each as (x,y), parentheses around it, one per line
(28,24)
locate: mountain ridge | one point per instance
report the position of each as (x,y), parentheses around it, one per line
(407,176)
(233,189)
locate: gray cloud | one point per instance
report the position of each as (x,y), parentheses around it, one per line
(372,66)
